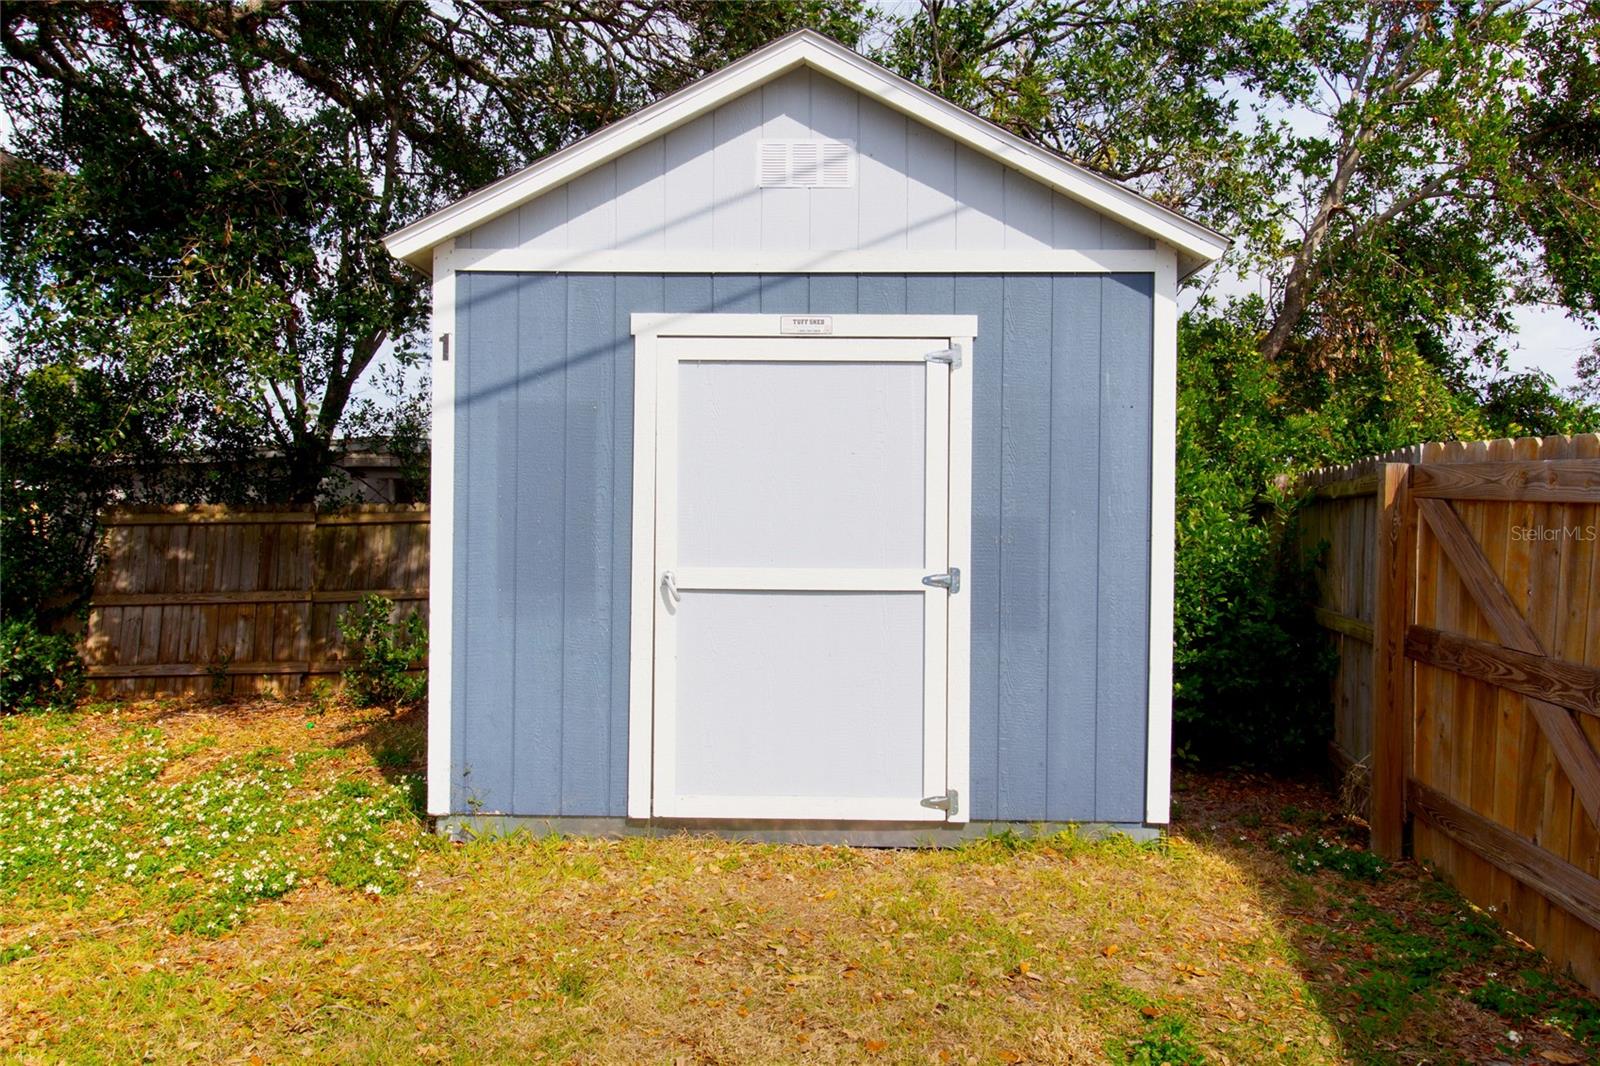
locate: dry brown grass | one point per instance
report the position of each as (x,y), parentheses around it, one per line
(678,949)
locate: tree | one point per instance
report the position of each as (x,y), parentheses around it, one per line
(1392,170)
(201,188)
(1456,176)
(1144,91)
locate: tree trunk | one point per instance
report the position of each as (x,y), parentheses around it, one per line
(1296,288)
(305,466)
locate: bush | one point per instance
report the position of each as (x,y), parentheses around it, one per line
(1251,668)
(38,671)
(387,652)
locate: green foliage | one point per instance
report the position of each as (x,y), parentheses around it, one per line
(1529,404)
(1400,175)
(1308,853)
(1251,667)
(202,190)
(1531,996)
(72,437)
(362,852)
(388,653)
(1133,88)
(38,671)
(574,982)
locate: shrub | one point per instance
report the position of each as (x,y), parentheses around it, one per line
(38,671)
(388,653)
(1251,668)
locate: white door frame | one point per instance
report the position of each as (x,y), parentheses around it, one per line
(653,335)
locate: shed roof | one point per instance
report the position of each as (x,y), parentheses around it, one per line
(1196,243)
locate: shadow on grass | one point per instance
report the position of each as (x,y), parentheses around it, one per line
(1400,964)
(396,740)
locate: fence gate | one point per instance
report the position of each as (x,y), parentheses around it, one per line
(1464,590)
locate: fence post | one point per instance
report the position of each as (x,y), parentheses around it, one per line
(1392,723)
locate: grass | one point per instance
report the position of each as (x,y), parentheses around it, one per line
(189,882)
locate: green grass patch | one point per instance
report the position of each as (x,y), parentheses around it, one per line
(1165,1042)
(212,844)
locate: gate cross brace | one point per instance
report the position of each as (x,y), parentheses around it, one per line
(1567,740)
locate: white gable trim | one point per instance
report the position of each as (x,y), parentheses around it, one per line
(414,243)
(757,261)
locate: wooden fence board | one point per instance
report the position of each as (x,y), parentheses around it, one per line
(1566,884)
(189,596)
(1570,685)
(1497,703)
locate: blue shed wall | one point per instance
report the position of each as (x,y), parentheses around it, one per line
(1060,529)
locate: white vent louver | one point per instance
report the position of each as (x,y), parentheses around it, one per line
(810,164)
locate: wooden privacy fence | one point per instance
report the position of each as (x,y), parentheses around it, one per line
(201,599)
(1462,586)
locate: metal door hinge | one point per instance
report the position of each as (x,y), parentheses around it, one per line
(951,356)
(950,579)
(949,803)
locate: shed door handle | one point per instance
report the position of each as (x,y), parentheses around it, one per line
(670,588)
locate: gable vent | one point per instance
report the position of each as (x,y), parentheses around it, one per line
(808,164)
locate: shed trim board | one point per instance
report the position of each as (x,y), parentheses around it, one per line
(661,341)
(1015,261)
(1199,243)
(441,546)
(1163,536)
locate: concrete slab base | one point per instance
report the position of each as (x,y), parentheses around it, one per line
(855,834)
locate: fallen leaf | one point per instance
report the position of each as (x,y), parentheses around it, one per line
(875,1046)
(1009,1057)
(1110,950)
(1561,1057)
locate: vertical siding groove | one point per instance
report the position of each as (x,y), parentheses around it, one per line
(1051,354)
(1024,551)
(1074,543)
(541,432)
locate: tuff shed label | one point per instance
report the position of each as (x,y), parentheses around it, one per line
(805,324)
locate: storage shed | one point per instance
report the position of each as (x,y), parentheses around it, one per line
(803,468)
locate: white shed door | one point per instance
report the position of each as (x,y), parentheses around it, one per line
(801,651)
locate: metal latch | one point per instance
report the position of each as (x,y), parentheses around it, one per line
(951,356)
(669,588)
(949,803)
(950,579)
